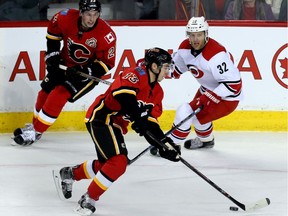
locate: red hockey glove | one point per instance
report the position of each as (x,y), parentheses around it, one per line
(208,100)
(175,75)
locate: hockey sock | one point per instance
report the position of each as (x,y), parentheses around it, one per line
(52,108)
(110,172)
(41,98)
(180,133)
(86,170)
(204,132)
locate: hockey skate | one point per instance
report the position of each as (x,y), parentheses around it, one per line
(86,205)
(196,143)
(63,180)
(67,181)
(27,127)
(26,136)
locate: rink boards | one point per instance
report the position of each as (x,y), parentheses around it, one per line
(260,59)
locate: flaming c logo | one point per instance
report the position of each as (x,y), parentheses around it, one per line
(280,66)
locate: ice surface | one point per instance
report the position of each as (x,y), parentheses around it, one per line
(247,165)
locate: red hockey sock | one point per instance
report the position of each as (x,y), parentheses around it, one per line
(87,170)
(52,108)
(41,98)
(110,172)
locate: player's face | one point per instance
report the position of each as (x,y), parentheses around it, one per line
(197,39)
(164,71)
(89,18)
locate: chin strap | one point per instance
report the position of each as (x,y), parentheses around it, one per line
(156,74)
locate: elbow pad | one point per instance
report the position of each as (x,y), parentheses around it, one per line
(129,105)
(53,45)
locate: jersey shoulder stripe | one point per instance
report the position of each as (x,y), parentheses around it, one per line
(212,48)
(185,44)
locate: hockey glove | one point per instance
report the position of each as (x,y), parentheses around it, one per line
(207,101)
(175,74)
(96,69)
(172,152)
(52,60)
(141,124)
(72,73)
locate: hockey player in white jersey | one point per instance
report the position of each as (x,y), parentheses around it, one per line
(220,84)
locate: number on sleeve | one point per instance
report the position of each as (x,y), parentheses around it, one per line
(222,68)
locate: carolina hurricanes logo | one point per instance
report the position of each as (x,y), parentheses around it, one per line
(78,52)
(195,71)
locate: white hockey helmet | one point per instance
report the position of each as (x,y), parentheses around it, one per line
(197,24)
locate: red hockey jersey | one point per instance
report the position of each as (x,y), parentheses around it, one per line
(79,47)
(132,81)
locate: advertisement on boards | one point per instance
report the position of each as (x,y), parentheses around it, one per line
(261,61)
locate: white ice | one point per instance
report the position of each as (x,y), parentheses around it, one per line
(247,165)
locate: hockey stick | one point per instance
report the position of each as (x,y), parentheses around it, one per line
(166,134)
(246,207)
(63,67)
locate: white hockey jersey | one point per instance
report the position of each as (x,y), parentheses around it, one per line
(212,68)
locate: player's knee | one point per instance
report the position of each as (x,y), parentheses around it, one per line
(184,109)
(119,164)
(115,167)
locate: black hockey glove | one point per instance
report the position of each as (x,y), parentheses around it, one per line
(141,124)
(52,60)
(72,73)
(172,152)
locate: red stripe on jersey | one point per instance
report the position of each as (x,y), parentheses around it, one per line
(185,44)
(213,48)
(234,87)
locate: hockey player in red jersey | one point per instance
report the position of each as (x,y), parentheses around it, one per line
(135,96)
(89,46)
(220,84)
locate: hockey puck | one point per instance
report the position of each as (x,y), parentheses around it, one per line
(232,208)
(153,151)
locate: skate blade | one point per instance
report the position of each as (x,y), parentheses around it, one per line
(13,143)
(57,182)
(84,212)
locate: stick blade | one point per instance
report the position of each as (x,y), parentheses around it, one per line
(258,205)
